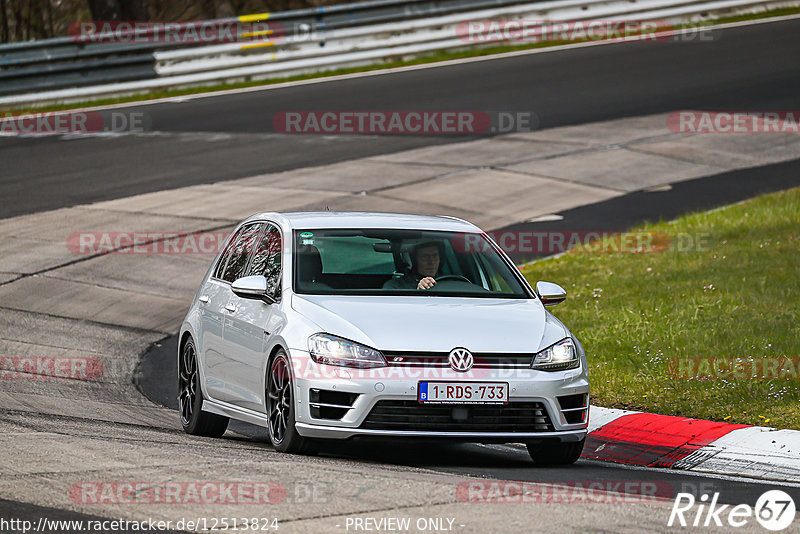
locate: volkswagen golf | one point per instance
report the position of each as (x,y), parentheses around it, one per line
(343,325)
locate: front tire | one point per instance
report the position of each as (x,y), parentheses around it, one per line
(280,408)
(555,452)
(190,398)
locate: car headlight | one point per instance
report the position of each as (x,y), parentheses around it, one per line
(332,350)
(557,357)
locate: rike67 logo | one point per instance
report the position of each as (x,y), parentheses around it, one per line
(774,510)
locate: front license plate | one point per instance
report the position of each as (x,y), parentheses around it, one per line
(463,392)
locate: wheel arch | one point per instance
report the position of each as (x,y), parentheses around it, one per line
(184,337)
(268,363)
(188,332)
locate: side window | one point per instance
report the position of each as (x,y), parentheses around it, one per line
(223,258)
(267,258)
(240,252)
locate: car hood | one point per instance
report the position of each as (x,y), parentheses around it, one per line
(435,324)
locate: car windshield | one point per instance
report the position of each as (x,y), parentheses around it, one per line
(395,262)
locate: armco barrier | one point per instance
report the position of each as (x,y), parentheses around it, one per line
(78,61)
(68,70)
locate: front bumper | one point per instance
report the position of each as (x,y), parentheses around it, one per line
(337,432)
(395,384)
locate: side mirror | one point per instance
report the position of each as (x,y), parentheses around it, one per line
(550,293)
(252,287)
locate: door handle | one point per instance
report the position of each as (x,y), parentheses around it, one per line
(231,308)
(203,298)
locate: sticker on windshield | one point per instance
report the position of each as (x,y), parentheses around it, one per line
(306,234)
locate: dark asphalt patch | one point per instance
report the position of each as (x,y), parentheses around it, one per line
(701,194)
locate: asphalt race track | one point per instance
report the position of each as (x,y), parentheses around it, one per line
(227,137)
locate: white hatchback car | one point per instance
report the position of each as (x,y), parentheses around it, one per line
(350,325)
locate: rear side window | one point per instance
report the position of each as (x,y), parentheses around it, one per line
(241,249)
(267,258)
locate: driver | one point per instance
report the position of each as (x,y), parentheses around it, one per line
(425,263)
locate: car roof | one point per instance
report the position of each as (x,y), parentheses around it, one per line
(300,220)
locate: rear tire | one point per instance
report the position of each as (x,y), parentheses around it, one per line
(190,398)
(279,400)
(555,452)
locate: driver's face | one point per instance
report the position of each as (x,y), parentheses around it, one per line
(428,261)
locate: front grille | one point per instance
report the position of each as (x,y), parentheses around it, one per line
(412,415)
(483,360)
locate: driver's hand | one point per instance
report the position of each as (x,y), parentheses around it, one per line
(426,283)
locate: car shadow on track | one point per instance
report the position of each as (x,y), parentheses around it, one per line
(403,452)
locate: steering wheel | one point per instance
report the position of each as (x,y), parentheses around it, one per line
(453,277)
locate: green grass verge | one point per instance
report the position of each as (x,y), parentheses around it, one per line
(390,63)
(737,297)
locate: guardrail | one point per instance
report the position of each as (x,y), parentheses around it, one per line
(81,60)
(74,69)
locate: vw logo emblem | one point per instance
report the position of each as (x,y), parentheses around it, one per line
(461,360)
